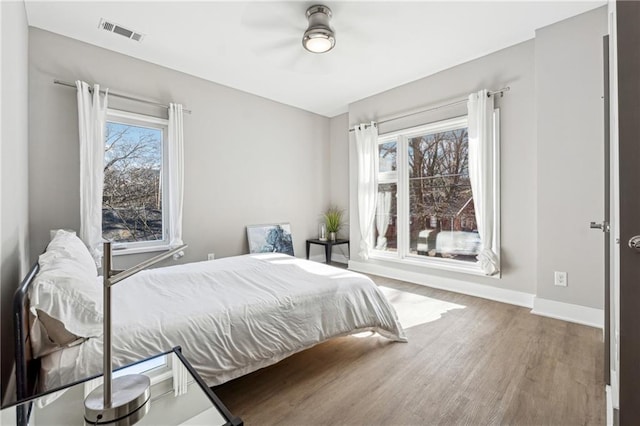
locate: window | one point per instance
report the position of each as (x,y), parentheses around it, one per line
(386,223)
(156,366)
(134,197)
(425,209)
(158,369)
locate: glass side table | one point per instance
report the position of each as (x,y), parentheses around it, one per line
(197,405)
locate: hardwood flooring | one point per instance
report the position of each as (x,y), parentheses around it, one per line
(469,361)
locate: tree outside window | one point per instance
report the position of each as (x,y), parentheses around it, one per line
(441,212)
(425,205)
(132,195)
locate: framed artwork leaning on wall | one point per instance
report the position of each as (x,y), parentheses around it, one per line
(270,238)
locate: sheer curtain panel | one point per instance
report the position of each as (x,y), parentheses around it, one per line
(180,376)
(367,151)
(383,214)
(176,176)
(92,113)
(481,175)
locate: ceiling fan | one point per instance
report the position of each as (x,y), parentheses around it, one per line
(319,37)
(276,32)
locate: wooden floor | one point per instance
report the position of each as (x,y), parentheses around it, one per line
(468,361)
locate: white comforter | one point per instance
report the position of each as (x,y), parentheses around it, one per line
(231,316)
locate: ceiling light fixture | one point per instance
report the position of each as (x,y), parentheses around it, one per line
(319,37)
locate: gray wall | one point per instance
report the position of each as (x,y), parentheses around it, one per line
(339,161)
(248,160)
(13,168)
(339,177)
(551,154)
(571,157)
(514,67)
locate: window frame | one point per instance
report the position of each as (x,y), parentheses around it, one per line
(157,372)
(158,368)
(403,255)
(155,123)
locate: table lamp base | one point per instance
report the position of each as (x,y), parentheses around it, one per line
(129,402)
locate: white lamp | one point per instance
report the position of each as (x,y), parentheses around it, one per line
(319,37)
(124,400)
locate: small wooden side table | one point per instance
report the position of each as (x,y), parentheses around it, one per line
(328,246)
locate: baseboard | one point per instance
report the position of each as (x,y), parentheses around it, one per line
(335,257)
(615,401)
(544,307)
(512,297)
(568,312)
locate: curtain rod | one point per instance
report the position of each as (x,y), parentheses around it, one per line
(459,101)
(118,95)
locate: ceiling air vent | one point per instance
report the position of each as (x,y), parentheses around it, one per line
(118,29)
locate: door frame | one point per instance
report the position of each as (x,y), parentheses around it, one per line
(607,211)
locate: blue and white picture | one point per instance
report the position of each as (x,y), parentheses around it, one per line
(274,238)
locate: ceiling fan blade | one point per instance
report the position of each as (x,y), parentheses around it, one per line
(267,47)
(265,16)
(275,34)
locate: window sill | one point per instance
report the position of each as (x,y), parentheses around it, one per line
(138,250)
(431,263)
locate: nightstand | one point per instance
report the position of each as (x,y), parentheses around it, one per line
(198,405)
(328,246)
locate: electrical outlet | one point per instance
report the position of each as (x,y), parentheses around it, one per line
(560,279)
(211,256)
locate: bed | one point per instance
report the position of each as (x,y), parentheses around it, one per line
(231,316)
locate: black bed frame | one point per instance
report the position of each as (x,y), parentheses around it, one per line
(27,368)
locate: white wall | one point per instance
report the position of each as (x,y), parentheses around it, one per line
(514,67)
(248,160)
(569,100)
(13,167)
(551,160)
(8,417)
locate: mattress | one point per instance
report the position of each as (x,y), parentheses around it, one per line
(231,316)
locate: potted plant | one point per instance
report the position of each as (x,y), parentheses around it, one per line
(333,219)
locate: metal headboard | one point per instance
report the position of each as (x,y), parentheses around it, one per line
(27,368)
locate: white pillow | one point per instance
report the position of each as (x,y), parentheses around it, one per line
(70,298)
(49,335)
(66,245)
(66,296)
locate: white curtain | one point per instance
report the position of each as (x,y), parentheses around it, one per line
(481,174)
(92,114)
(367,152)
(382,218)
(176,176)
(92,384)
(180,376)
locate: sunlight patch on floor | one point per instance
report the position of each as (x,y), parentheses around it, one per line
(414,309)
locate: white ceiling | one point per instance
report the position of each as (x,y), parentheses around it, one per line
(256,46)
